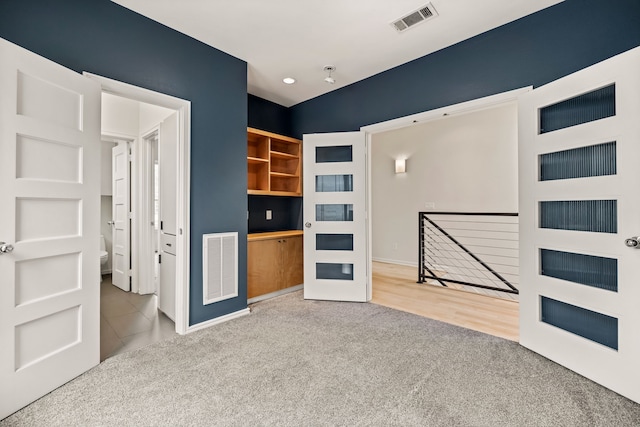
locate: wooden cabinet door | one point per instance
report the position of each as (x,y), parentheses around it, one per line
(264,264)
(292,261)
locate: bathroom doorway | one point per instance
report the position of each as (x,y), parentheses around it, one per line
(132,309)
(141,121)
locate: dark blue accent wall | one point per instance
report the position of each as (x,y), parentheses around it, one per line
(104,38)
(286,213)
(269,116)
(532,51)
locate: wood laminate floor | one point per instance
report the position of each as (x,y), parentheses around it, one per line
(395,286)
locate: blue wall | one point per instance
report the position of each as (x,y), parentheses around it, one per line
(532,51)
(269,116)
(104,38)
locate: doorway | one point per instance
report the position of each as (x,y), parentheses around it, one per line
(482,134)
(131,312)
(138,116)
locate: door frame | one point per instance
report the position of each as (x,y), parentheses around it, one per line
(370,131)
(183,108)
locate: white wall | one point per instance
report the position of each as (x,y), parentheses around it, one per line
(120,115)
(151,116)
(461,163)
(106,184)
(123,116)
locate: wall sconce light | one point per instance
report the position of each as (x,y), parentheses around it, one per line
(401,165)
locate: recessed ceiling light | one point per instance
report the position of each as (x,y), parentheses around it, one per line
(289,80)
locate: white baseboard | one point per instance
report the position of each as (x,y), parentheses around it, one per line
(275,294)
(218,320)
(396,261)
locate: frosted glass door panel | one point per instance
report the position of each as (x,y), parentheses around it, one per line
(333,183)
(334,271)
(334,242)
(585,108)
(334,212)
(333,154)
(583,162)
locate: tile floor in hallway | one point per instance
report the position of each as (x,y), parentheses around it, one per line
(129,321)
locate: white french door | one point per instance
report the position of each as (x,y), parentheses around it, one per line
(579,148)
(335,223)
(49,221)
(121,205)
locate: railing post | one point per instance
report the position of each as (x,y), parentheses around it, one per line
(420,248)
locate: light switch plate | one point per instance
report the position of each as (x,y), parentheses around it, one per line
(269,215)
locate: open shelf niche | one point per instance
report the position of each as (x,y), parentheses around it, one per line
(274,164)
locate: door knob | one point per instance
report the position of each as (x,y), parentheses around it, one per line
(5,248)
(307,224)
(632,242)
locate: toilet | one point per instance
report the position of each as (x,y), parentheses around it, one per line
(104,255)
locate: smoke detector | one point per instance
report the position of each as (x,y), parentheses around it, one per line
(416,17)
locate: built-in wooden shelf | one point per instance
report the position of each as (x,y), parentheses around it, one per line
(256,160)
(274,164)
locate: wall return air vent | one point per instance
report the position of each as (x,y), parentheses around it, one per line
(416,17)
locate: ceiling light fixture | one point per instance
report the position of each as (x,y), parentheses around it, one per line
(330,69)
(289,80)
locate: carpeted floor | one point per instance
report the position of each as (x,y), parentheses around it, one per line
(311,363)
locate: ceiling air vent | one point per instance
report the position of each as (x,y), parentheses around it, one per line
(415,17)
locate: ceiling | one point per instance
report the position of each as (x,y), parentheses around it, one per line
(297,38)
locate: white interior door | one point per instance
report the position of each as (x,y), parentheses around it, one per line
(168,166)
(121,201)
(579,147)
(50,175)
(335,226)
(168,160)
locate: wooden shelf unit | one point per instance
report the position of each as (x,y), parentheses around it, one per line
(274,164)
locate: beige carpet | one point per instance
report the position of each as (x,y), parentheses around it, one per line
(300,363)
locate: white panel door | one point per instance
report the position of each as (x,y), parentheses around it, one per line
(167,289)
(50,175)
(121,206)
(335,226)
(579,147)
(168,161)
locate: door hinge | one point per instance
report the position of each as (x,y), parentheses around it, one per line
(161,225)
(130,215)
(159,258)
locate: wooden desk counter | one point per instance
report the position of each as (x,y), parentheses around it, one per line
(273,235)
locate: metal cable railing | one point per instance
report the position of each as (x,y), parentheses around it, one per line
(462,249)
